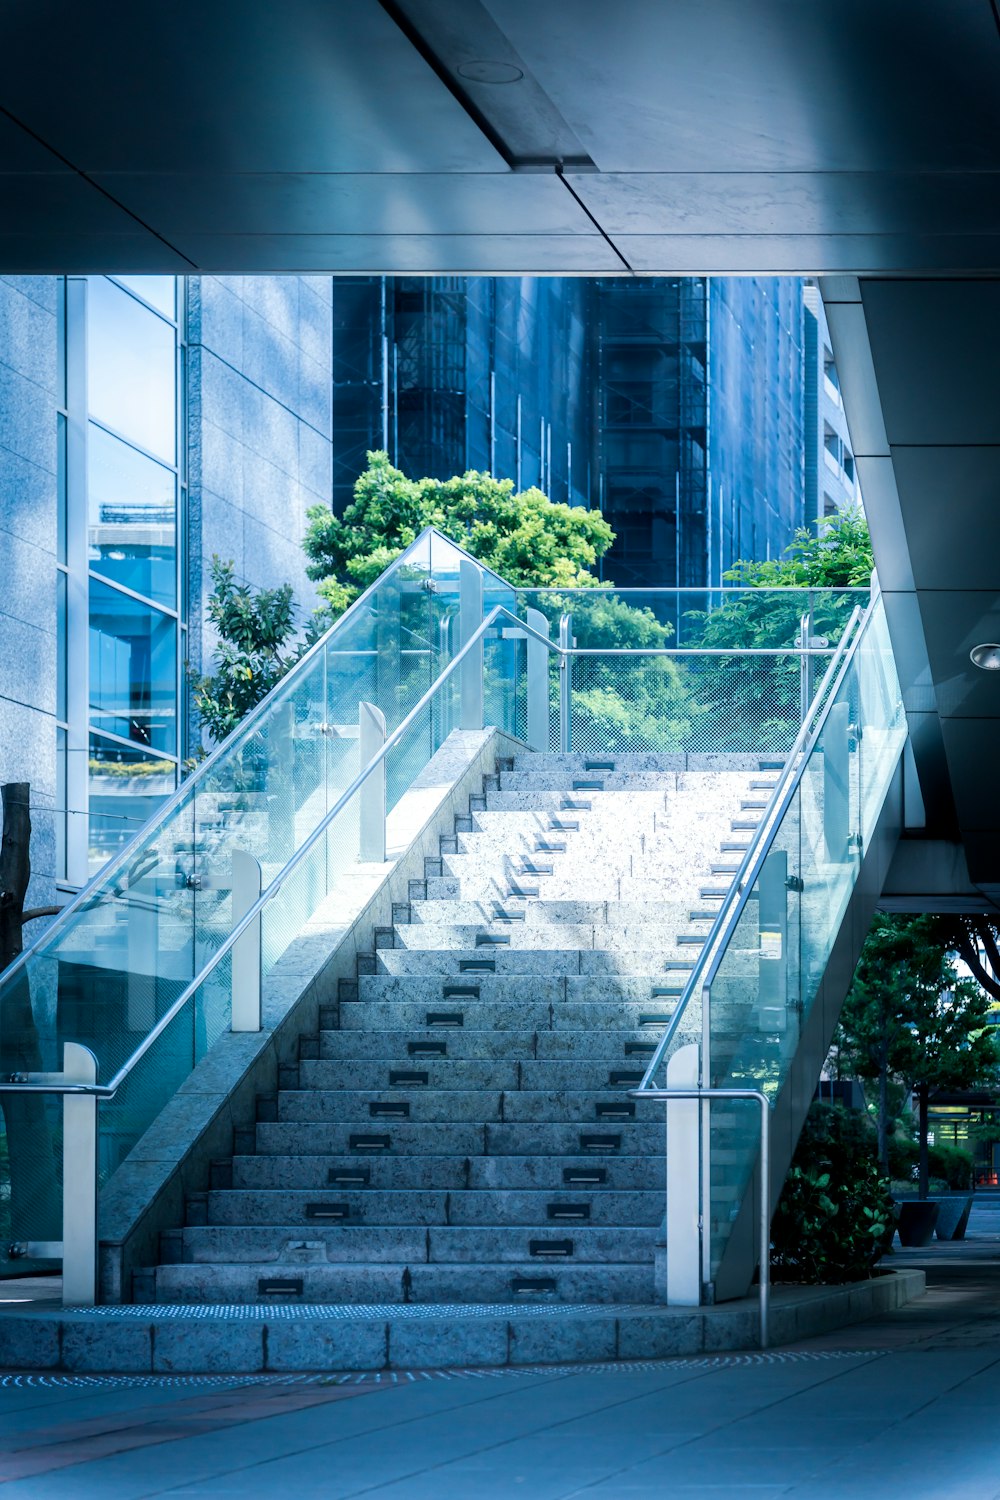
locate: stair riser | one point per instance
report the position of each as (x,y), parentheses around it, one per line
(426,1283)
(448,1074)
(455,1106)
(606,1209)
(289,1138)
(438,1173)
(610,1048)
(399,1244)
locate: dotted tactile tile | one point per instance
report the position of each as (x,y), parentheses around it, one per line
(45,1380)
(293,1311)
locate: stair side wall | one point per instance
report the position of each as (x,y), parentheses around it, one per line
(742,1254)
(147,1194)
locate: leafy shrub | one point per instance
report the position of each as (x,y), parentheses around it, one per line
(953,1165)
(836,1214)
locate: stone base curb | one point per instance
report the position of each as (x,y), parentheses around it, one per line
(244,1340)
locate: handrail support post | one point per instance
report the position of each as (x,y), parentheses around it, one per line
(565,683)
(371,738)
(246,963)
(79,1205)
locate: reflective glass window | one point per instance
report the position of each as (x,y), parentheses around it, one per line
(131,368)
(133,654)
(159,291)
(126,786)
(133,518)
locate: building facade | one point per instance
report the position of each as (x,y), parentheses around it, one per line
(679,407)
(149,423)
(146,424)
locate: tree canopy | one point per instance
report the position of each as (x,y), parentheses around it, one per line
(529,540)
(910,1016)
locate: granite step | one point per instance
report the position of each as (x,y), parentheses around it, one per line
(510,1207)
(383,1172)
(369,1139)
(401,1283)
(432,1074)
(365,1245)
(371,1108)
(610,1048)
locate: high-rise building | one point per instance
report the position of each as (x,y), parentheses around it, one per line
(148,423)
(676,406)
(830,473)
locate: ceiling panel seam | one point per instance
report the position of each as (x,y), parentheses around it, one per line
(97,187)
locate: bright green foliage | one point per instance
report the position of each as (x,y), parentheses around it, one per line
(764,697)
(622,704)
(255,630)
(526,538)
(835,1215)
(838,556)
(909,1016)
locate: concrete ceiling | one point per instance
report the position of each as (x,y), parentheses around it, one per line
(354,135)
(854,139)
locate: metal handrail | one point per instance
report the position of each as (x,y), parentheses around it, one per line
(117,861)
(796,760)
(824,714)
(41,1083)
(53,1084)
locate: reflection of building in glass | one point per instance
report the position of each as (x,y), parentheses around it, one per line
(679,406)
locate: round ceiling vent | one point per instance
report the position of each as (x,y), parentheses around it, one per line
(490,72)
(987,656)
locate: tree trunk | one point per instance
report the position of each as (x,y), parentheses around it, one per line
(883,1116)
(924,1188)
(34,1192)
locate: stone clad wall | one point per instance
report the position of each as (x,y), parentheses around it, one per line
(259,391)
(28,495)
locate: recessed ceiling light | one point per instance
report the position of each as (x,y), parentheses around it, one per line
(987,656)
(490,72)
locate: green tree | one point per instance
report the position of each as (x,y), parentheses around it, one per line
(761,697)
(909,1016)
(256,648)
(525,537)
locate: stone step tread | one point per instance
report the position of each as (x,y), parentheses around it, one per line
(443,1073)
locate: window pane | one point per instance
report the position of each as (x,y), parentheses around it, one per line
(133,516)
(126,786)
(133,654)
(159,291)
(130,368)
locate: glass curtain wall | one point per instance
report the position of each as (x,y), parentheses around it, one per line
(123,647)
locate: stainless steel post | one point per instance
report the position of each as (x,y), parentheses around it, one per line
(565,684)
(79,1245)
(246,960)
(470,616)
(537,728)
(371,736)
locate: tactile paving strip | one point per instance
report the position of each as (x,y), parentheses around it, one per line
(45,1380)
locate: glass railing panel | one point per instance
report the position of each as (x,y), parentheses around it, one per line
(317,900)
(765,980)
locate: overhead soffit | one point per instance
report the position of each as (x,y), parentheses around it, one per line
(697,136)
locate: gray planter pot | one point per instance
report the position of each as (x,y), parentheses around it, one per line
(953,1217)
(917,1221)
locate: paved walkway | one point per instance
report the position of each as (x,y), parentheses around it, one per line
(905,1405)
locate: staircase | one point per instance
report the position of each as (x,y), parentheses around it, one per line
(460,1130)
